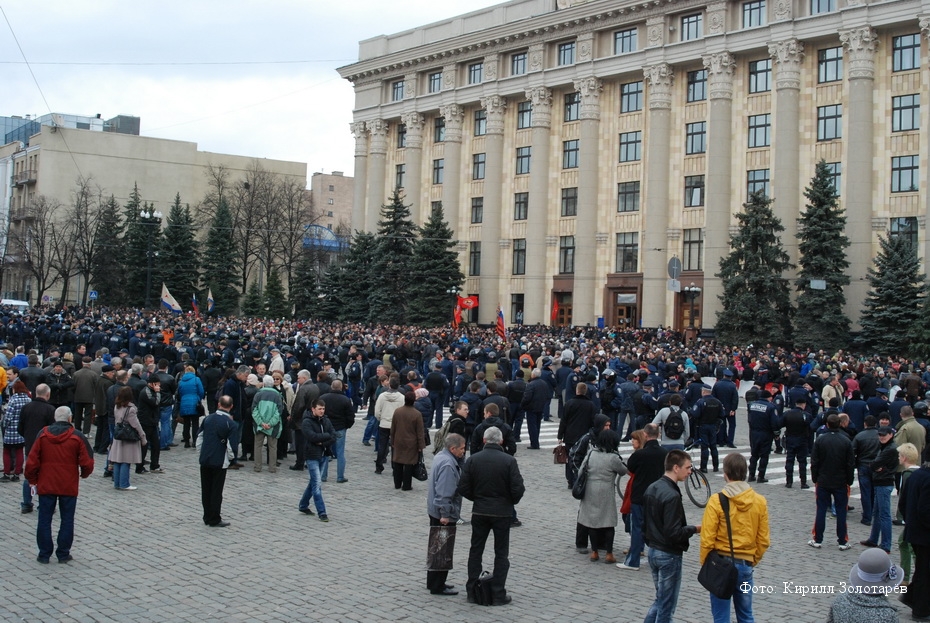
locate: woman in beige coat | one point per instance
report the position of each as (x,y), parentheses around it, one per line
(407,442)
(124,453)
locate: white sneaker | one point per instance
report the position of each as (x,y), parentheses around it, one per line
(814,544)
(129,488)
(621,565)
(845,546)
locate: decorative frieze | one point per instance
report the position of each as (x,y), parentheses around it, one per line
(716,18)
(491,64)
(448,77)
(585,45)
(787,56)
(860,45)
(537,54)
(655,31)
(782,10)
(660,78)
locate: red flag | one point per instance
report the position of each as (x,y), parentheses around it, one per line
(555,310)
(468,302)
(501,327)
(456,317)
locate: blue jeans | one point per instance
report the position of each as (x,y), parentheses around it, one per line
(167,431)
(865,493)
(666,575)
(27,494)
(881,517)
(340,449)
(436,399)
(637,543)
(120,475)
(66,507)
(314,487)
(839,497)
(533,424)
(742,601)
(371,430)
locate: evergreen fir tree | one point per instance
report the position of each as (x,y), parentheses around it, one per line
(436,269)
(358,278)
(305,288)
(135,246)
(820,322)
(107,274)
(331,305)
(178,257)
(220,271)
(756,299)
(891,311)
(275,303)
(252,303)
(390,292)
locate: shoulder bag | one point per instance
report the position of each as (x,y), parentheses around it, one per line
(125,432)
(419,470)
(581,480)
(718,573)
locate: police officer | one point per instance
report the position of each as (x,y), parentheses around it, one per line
(763,422)
(796,422)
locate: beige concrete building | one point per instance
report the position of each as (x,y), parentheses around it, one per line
(57,157)
(579,146)
(332,196)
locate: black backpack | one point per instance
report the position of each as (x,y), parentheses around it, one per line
(674,426)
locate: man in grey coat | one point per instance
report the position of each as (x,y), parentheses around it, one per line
(444,504)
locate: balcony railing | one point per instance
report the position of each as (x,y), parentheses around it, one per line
(24,177)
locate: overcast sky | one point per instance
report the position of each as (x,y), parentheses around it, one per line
(238,77)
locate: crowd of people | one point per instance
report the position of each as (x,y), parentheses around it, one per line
(256,390)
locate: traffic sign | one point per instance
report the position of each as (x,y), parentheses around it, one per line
(92,295)
(674,268)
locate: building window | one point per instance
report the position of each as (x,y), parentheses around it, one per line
(519,256)
(759,130)
(905,52)
(401,135)
(332,188)
(822,6)
(516,308)
(566,255)
(439,129)
(836,175)
(572,106)
(754,14)
(521,206)
(570,201)
(630,146)
(756,180)
(628,197)
(435,207)
(474,259)
(625,41)
(829,122)
(760,76)
(693,249)
(570,154)
(905,113)
(481,122)
(438,166)
(905,174)
(691,27)
(477,210)
(694,191)
(697,85)
(695,137)
(524,115)
(523,160)
(567,53)
(518,64)
(477,166)
(400,172)
(829,65)
(631,97)
(627,252)
(475,73)
(904,227)
(397,91)
(434,82)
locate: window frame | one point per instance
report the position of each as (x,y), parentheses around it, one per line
(829,65)
(692,26)
(626,259)
(565,53)
(829,122)
(518,63)
(759,131)
(758,179)
(474,258)
(439,130)
(570,153)
(401,136)
(400,174)
(628,194)
(434,82)
(696,137)
(691,247)
(631,141)
(905,111)
(524,155)
(631,99)
(477,210)
(694,191)
(572,110)
(697,86)
(566,255)
(476,73)
(909,53)
(904,227)
(481,122)
(521,206)
(754,14)
(757,76)
(569,201)
(478,166)
(397,91)
(905,168)
(439,166)
(819,7)
(524,115)
(625,41)
(836,175)
(518,256)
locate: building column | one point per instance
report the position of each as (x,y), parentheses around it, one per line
(785,174)
(413,161)
(925,29)
(659,78)
(717,204)
(377,160)
(535,297)
(859,45)
(586,226)
(360,188)
(489,284)
(452,175)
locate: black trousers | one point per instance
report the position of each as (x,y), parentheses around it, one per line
(212,481)
(102,438)
(403,476)
(436,580)
(191,428)
(151,436)
(83,416)
(917,597)
(384,442)
(481,527)
(300,449)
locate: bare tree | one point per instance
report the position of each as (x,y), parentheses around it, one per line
(83,225)
(296,212)
(31,244)
(64,253)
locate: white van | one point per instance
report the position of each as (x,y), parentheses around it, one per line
(20,306)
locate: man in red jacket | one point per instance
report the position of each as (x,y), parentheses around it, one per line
(59,455)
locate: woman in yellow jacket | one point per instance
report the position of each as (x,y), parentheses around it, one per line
(749,518)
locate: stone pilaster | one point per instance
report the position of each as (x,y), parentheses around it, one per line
(410,86)
(414,163)
(452,153)
(924,22)
(585,47)
(782,10)
(859,46)
(586,277)
(715,18)
(659,79)
(448,77)
(536,294)
(489,285)
(491,67)
(655,31)
(536,60)
(361,174)
(377,161)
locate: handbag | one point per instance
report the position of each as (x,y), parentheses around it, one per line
(560,454)
(125,432)
(419,470)
(718,573)
(441,547)
(581,480)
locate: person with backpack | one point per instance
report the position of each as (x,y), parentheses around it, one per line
(763,422)
(673,422)
(577,419)
(707,415)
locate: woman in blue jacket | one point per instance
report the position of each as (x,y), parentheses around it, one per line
(190,395)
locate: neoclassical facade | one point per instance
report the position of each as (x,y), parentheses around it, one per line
(579,148)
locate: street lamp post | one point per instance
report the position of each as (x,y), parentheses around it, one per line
(151,220)
(453,292)
(692,291)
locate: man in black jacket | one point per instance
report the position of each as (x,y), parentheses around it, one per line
(149,414)
(795,421)
(667,533)
(865,447)
(832,470)
(214,459)
(319,436)
(883,470)
(648,463)
(577,419)
(492,480)
(341,412)
(536,398)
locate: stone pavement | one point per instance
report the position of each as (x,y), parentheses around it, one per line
(146,555)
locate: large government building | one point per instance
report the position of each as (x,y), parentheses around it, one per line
(579,147)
